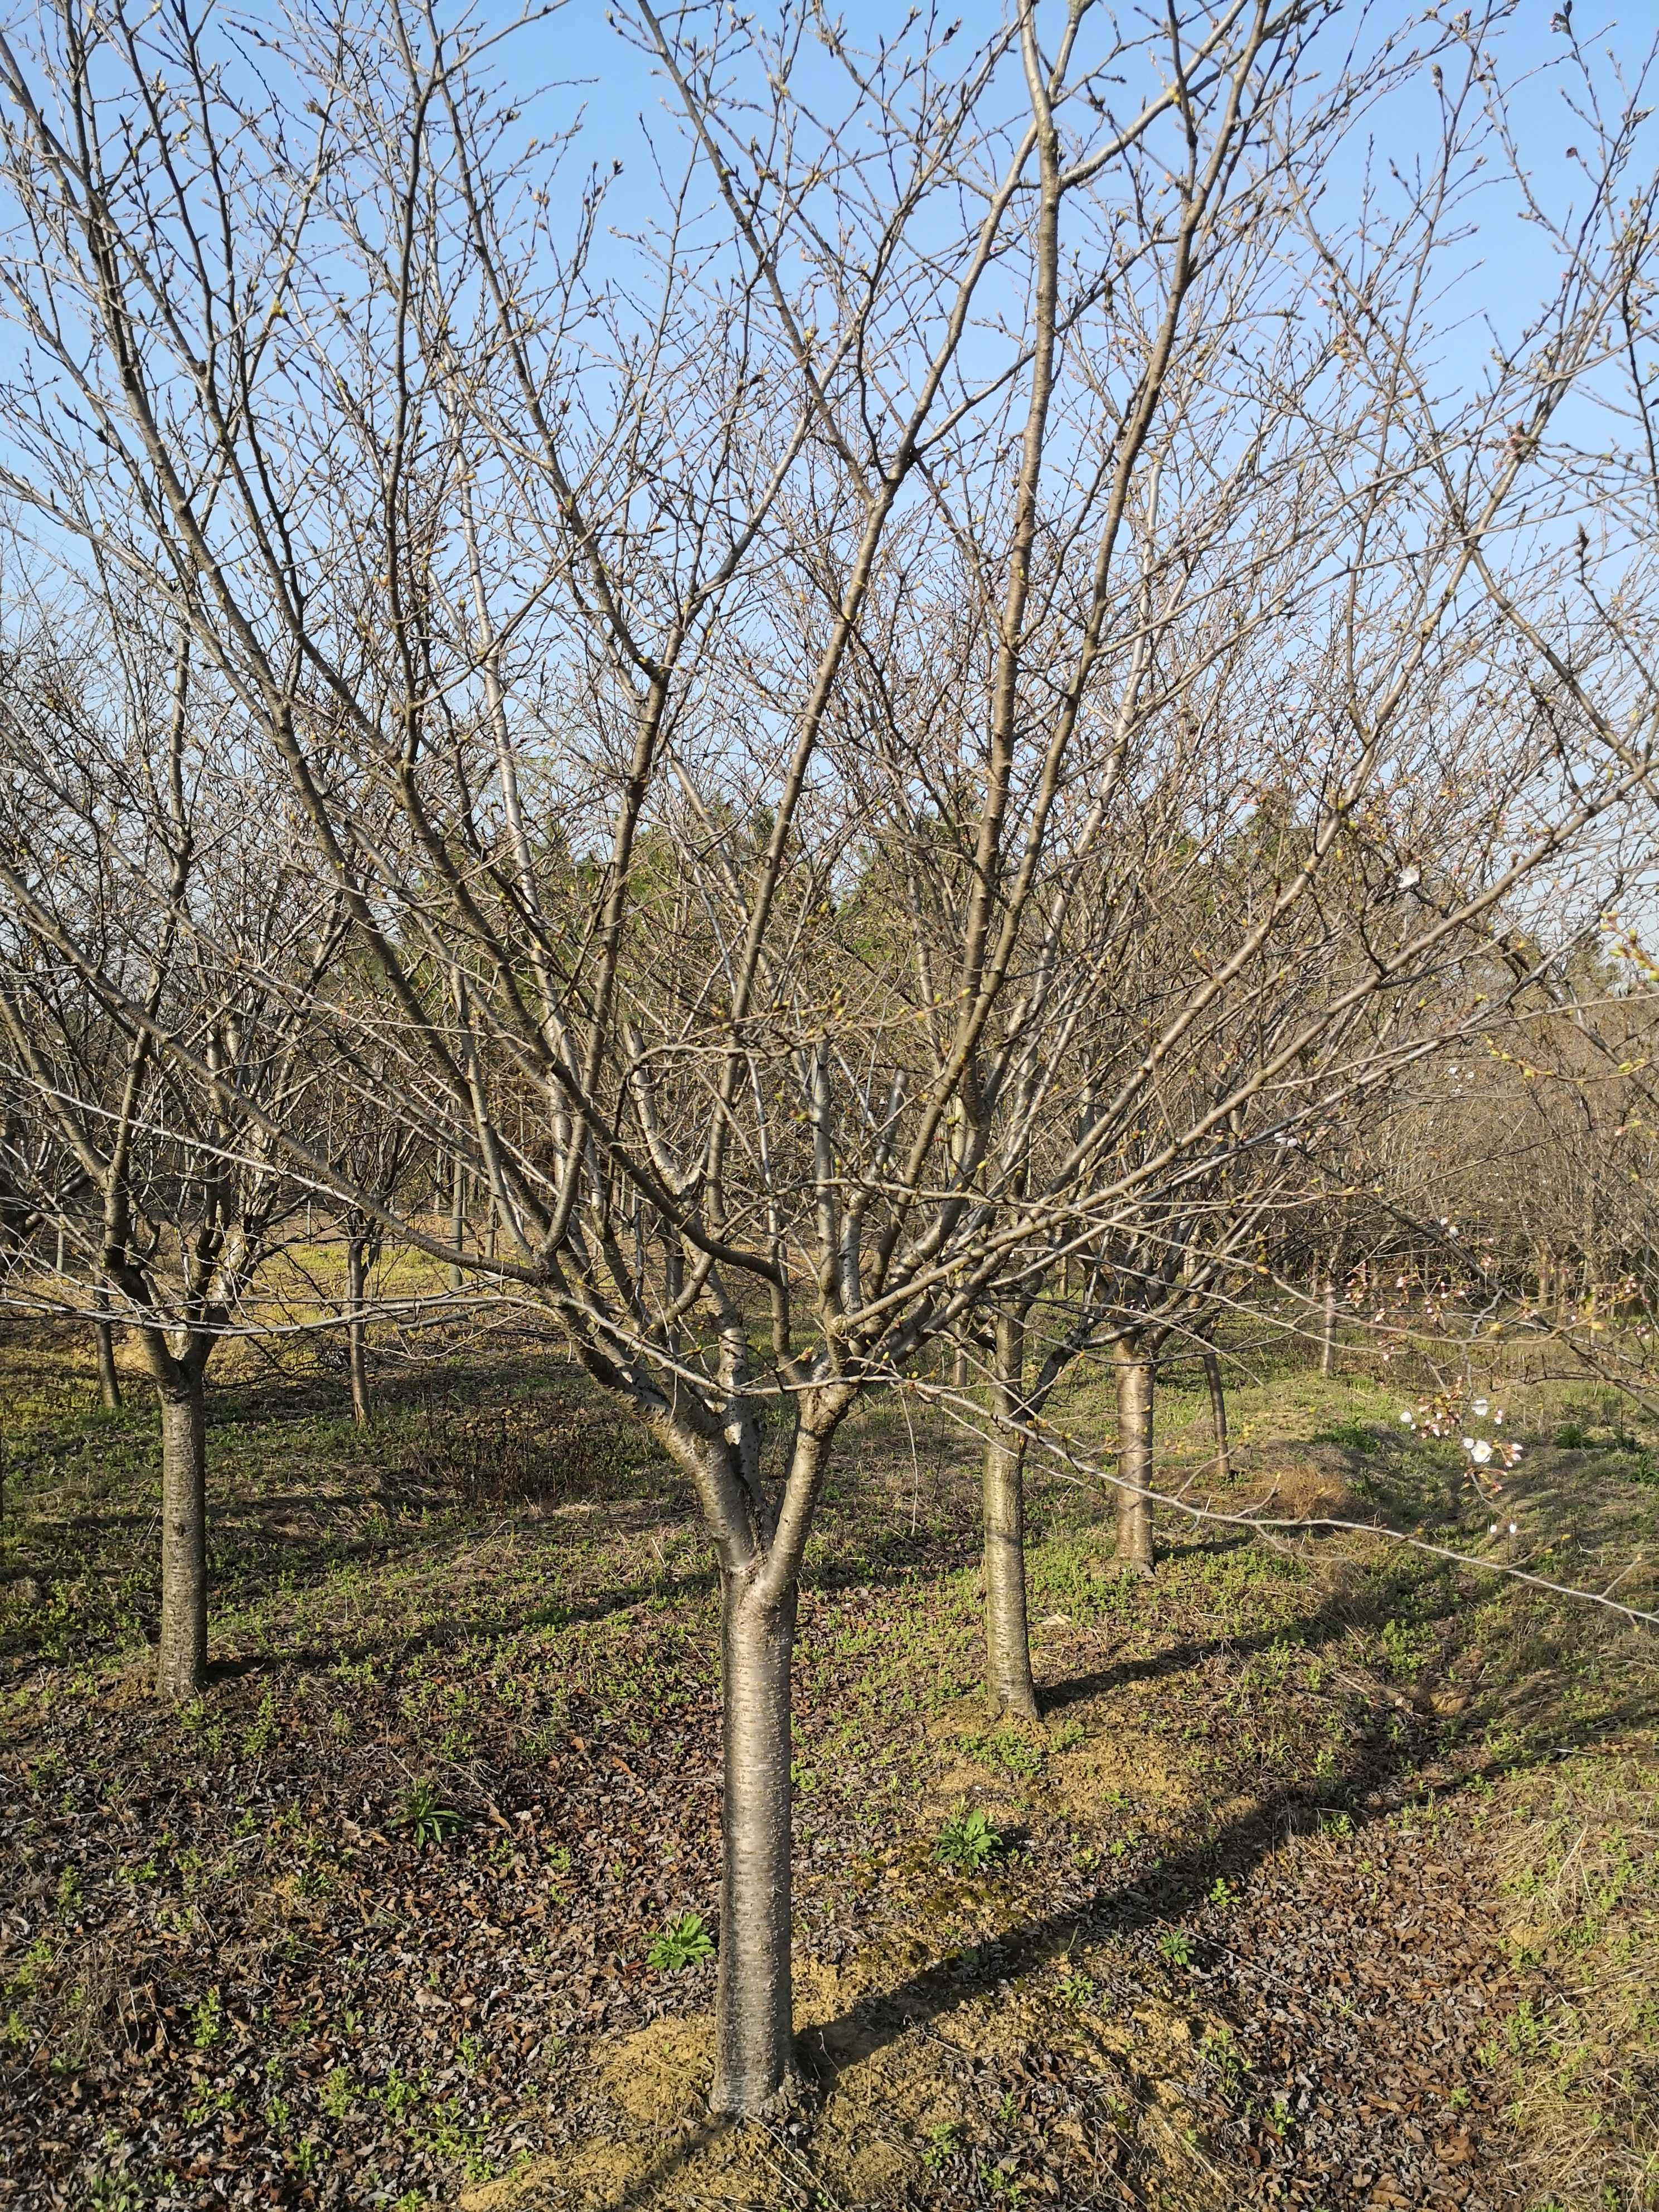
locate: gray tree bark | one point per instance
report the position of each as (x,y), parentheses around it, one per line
(1007,1631)
(356,1331)
(1133,1372)
(457,1218)
(754,2036)
(1328,1341)
(109,1381)
(182,1660)
(1223,1463)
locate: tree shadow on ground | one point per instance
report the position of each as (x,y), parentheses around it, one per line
(1373,1785)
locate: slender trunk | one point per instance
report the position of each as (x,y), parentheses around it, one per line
(109,1382)
(458,1218)
(959,1368)
(1007,1634)
(355,1331)
(754,2032)
(1328,1339)
(1223,1463)
(1134,1455)
(183,1655)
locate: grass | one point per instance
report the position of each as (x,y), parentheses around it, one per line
(462,1720)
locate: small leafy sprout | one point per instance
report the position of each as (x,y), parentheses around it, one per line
(1176,1946)
(683,1945)
(423,1817)
(967,1842)
(942,2144)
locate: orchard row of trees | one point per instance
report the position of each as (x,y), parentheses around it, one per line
(939,746)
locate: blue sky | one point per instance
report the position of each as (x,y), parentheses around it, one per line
(585,62)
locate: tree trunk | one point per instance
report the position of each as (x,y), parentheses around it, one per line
(182,1671)
(1328,1341)
(959,1368)
(1007,1635)
(355,1331)
(754,2030)
(457,1218)
(1223,1463)
(1134,1455)
(109,1381)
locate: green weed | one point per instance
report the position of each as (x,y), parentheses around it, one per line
(967,1842)
(687,1944)
(424,1817)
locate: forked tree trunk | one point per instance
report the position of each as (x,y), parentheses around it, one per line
(356,1330)
(754,2032)
(182,1660)
(1007,1634)
(1224,1464)
(109,1381)
(1134,1455)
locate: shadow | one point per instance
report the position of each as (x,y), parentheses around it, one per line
(1374,1785)
(461,1630)
(1319,1629)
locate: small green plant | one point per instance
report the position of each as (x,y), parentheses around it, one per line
(265,1730)
(307,2157)
(685,1944)
(114,2192)
(1176,1945)
(1571,1436)
(207,2022)
(1010,1748)
(942,2144)
(211,2101)
(398,2092)
(423,1817)
(967,1842)
(1220,2054)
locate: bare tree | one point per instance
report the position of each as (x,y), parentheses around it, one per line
(119,842)
(723,686)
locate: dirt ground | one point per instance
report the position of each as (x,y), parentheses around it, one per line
(1328,1878)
